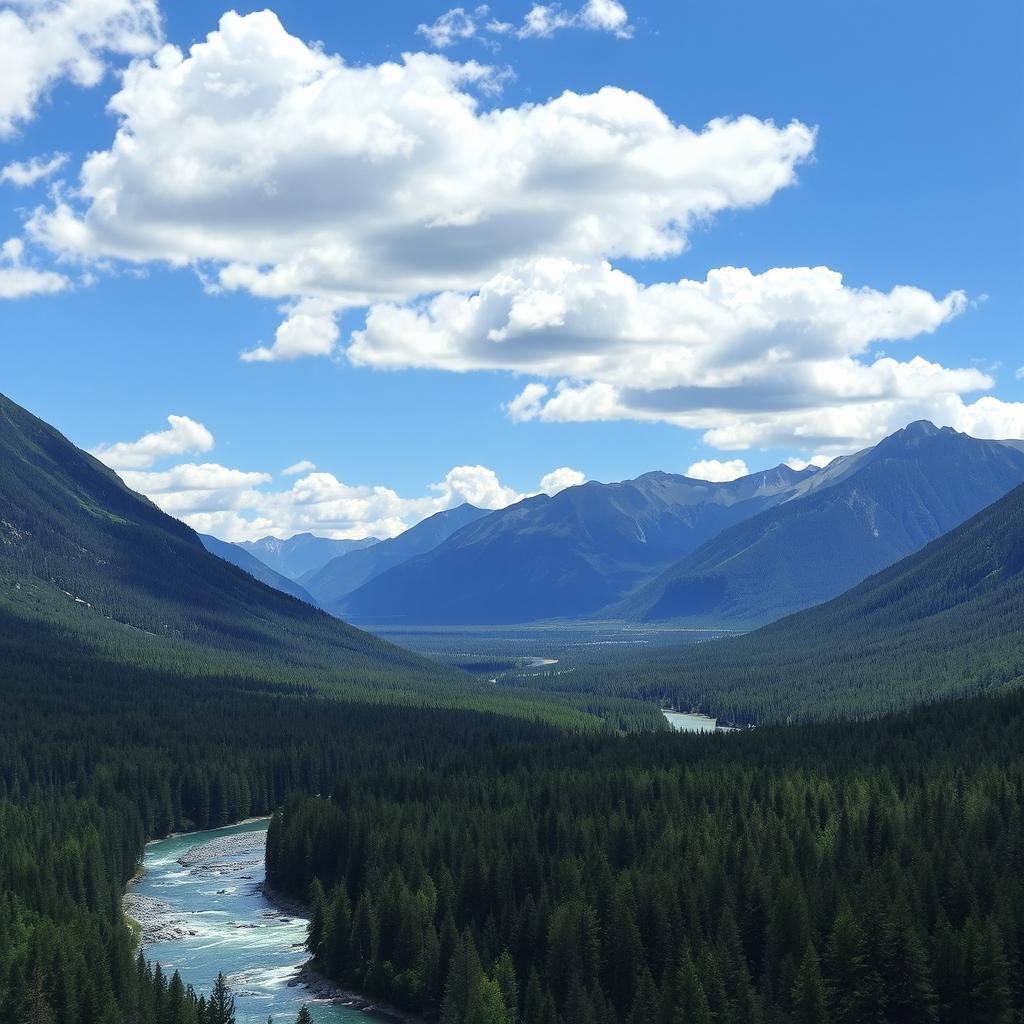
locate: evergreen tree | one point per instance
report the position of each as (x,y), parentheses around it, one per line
(809,1004)
(221,1007)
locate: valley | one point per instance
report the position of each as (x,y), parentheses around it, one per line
(506,815)
(511,513)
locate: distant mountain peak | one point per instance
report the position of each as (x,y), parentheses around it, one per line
(922,429)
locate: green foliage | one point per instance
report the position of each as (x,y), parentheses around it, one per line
(945,622)
(597,878)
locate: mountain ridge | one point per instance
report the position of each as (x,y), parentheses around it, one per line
(249,563)
(300,553)
(945,621)
(332,582)
(856,516)
(565,555)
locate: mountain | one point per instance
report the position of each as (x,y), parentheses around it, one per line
(237,555)
(301,554)
(857,516)
(945,621)
(340,576)
(82,554)
(566,555)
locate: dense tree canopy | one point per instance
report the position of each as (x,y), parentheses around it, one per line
(851,872)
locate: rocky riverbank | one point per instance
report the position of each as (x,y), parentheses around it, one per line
(157,921)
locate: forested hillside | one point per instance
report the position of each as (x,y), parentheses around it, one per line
(948,620)
(845,873)
(79,550)
(97,756)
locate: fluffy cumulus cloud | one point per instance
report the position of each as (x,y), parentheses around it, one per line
(752,360)
(561,478)
(716,471)
(18,281)
(481,237)
(23,173)
(275,167)
(309,330)
(45,41)
(184,437)
(237,504)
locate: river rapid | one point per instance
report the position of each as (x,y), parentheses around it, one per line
(209,914)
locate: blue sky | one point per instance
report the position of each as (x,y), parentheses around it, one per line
(905,170)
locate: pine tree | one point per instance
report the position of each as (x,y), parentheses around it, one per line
(221,1007)
(809,1004)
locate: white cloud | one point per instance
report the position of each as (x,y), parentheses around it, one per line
(606,16)
(27,172)
(717,472)
(542,21)
(185,436)
(310,330)
(751,359)
(277,168)
(453,26)
(1020,373)
(818,461)
(559,479)
(18,281)
(45,41)
(236,504)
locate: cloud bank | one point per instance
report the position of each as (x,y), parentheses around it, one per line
(284,171)
(482,237)
(236,504)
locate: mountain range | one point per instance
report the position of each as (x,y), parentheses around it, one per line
(564,556)
(295,557)
(665,547)
(945,621)
(331,583)
(238,555)
(857,516)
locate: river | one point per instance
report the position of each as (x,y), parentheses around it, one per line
(234,928)
(683,722)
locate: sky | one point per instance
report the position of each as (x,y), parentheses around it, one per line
(335,267)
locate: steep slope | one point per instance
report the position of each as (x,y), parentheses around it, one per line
(81,552)
(566,555)
(237,555)
(296,556)
(340,576)
(947,620)
(853,518)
